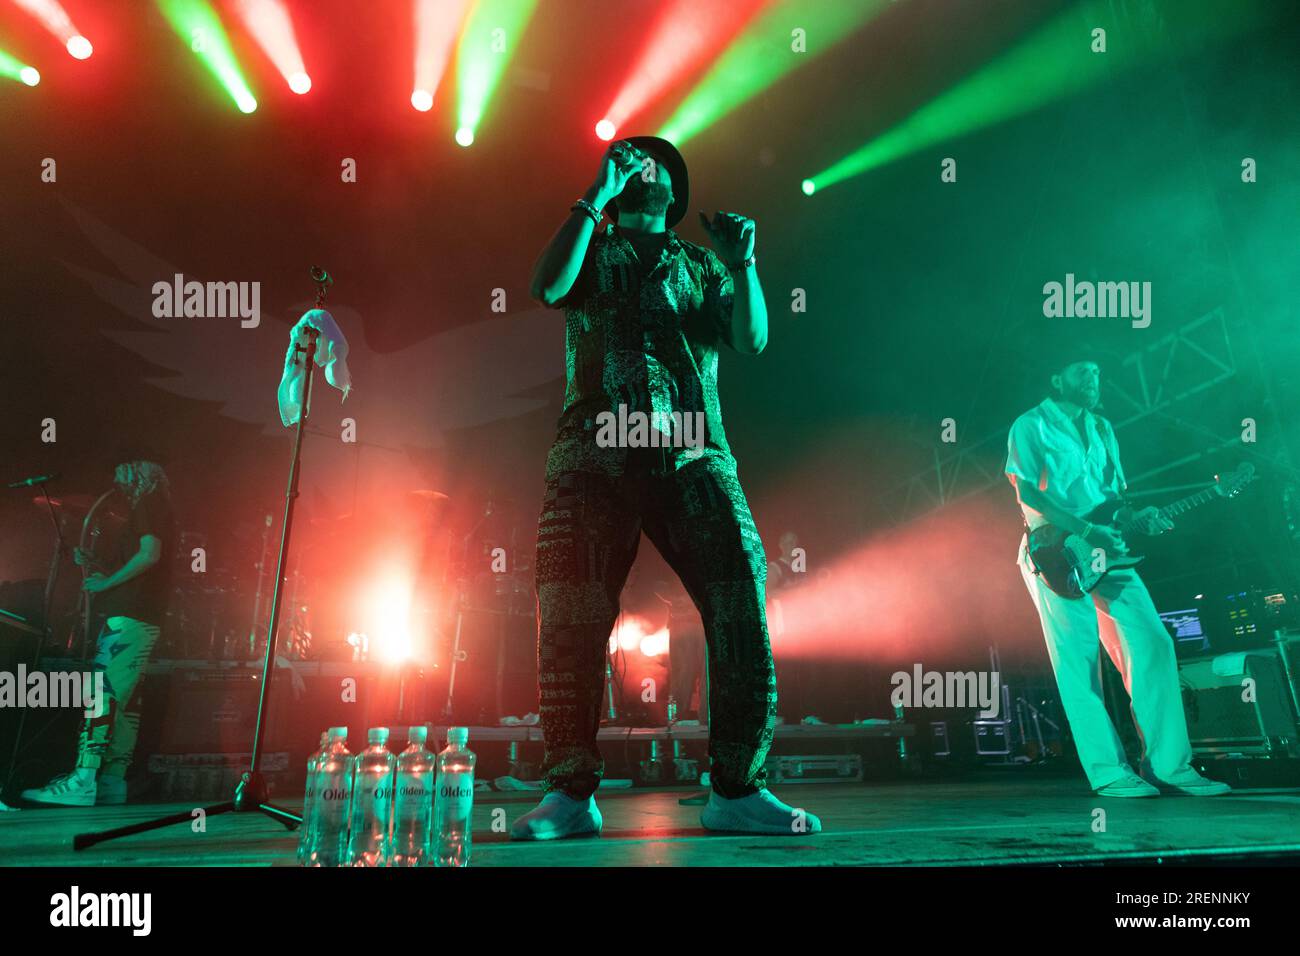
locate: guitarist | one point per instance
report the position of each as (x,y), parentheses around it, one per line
(1063,461)
(132,599)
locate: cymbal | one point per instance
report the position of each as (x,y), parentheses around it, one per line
(427,494)
(66,502)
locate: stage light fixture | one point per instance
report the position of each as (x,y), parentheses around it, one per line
(492,33)
(681,37)
(437,23)
(388,613)
(15,69)
(605,130)
(269,23)
(56,20)
(80,47)
(201,31)
(656,644)
(809,187)
(1054,62)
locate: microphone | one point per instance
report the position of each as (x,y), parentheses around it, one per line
(320,276)
(35,480)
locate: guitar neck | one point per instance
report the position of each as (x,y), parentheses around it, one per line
(1183,505)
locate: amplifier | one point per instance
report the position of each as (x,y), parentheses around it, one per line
(211,711)
(214,776)
(1238,705)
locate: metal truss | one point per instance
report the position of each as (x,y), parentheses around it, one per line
(1144,385)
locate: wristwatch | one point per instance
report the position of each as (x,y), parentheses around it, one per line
(744,265)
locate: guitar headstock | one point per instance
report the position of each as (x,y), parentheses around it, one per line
(1230,485)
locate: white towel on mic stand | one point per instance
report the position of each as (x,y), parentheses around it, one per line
(331,352)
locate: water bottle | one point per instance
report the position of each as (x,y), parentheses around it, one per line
(333,802)
(307,830)
(454,800)
(413,803)
(372,801)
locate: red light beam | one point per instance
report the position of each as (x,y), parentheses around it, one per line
(686,34)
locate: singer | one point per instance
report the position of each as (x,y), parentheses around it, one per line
(645,314)
(133,601)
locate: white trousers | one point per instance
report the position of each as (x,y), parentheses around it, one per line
(1119,616)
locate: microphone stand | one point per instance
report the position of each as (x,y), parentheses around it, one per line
(462,587)
(251,793)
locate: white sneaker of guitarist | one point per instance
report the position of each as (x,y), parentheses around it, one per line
(1063,461)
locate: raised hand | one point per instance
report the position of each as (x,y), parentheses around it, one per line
(619,164)
(732,236)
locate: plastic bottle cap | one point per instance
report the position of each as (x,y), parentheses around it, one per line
(458,735)
(417,735)
(378,735)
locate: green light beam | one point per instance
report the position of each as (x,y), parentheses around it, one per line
(198,25)
(492,33)
(1053,63)
(762,54)
(16,69)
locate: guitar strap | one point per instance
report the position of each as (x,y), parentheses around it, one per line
(1113,466)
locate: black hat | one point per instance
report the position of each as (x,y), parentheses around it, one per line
(666,153)
(1069,350)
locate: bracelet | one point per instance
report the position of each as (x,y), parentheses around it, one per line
(744,265)
(583,206)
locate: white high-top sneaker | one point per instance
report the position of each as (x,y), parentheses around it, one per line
(759,812)
(76,789)
(558,816)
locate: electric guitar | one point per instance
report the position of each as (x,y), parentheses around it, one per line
(1071,567)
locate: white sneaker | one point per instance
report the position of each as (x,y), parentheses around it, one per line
(759,812)
(1129,785)
(1187,781)
(558,816)
(110,790)
(68,790)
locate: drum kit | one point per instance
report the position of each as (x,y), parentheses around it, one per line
(222,613)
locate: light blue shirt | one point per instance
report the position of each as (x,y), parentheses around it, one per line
(1044,450)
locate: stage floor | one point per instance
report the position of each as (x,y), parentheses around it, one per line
(1016,817)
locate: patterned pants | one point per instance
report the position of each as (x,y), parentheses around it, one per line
(108,740)
(586,541)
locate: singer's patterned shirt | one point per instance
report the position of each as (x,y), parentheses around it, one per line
(646,337)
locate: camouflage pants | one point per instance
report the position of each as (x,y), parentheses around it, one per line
(587,538)
(108,739)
